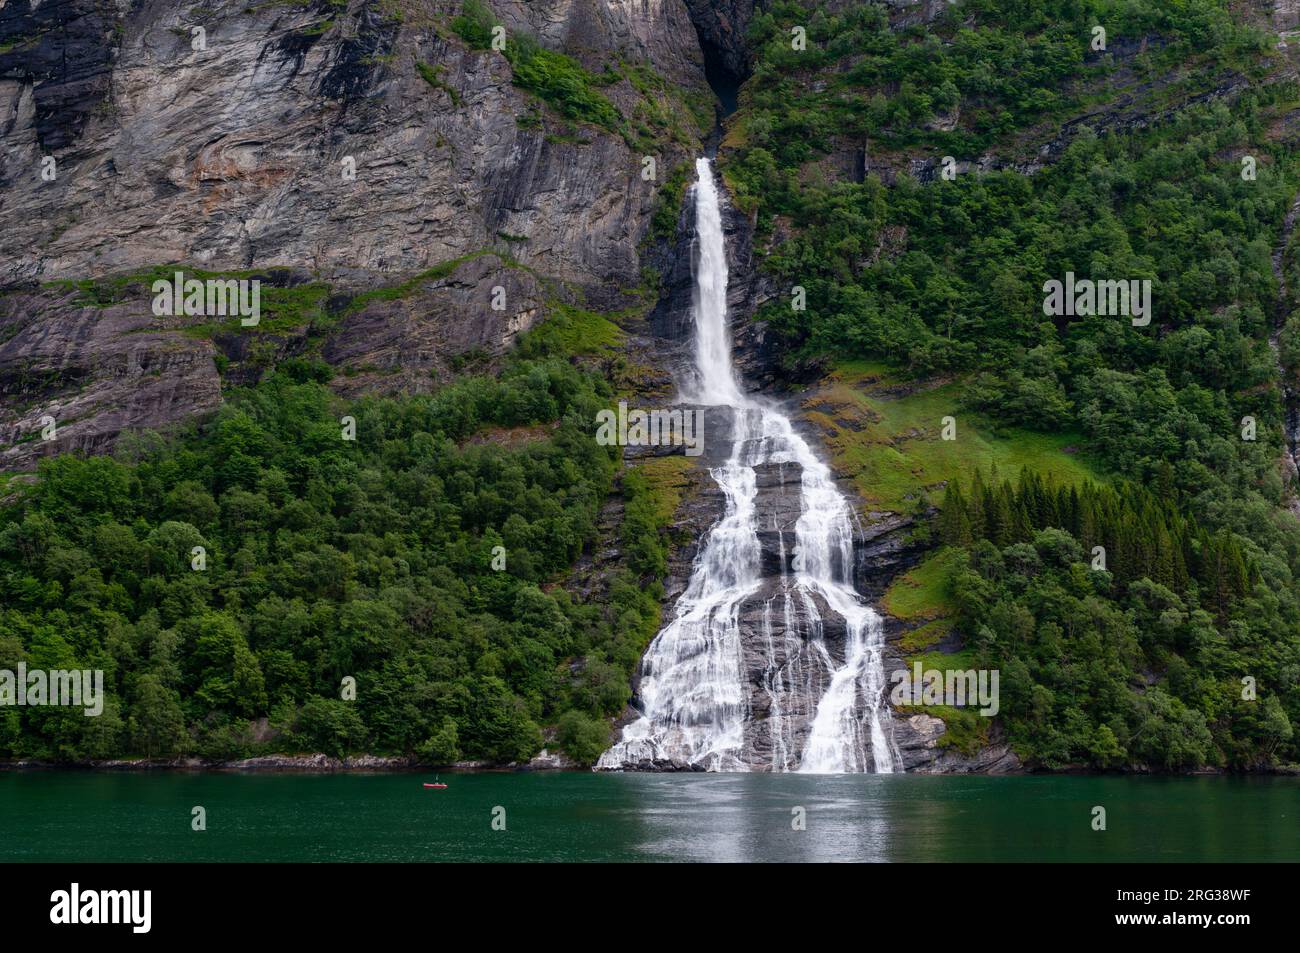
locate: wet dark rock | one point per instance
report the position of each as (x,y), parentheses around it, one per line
(883,548)
(350,73)
(60,50)
(721,25)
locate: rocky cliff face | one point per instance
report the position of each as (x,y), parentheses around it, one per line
(225,137)
(721,25)
(232,156)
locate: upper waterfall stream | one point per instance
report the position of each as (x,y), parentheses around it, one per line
(758,671)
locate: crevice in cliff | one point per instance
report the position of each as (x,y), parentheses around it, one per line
(724,83)
(721,26)
(64,50)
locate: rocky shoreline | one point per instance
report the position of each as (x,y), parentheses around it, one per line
(994,759)
(314,763)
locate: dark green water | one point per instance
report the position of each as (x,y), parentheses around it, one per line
(57,816)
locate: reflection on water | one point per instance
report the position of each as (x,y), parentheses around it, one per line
(579,816)
(749,818)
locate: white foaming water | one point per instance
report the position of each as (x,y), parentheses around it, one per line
(695,698)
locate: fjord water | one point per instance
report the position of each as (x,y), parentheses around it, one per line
(694,697)
(145,816)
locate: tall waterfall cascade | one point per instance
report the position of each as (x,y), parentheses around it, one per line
(760,669)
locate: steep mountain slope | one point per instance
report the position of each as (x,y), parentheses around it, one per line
(920,173)
(355,145)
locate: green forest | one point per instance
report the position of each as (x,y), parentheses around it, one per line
(413,559)
(1081,596)
(1141,661)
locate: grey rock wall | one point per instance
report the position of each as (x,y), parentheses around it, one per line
(232,157)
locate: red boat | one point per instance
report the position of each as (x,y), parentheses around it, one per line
(435,785)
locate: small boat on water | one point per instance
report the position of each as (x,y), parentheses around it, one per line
(435,785)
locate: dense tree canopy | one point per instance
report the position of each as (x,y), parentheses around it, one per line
(1141,662)
(328,559)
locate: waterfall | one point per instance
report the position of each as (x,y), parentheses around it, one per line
(821,714)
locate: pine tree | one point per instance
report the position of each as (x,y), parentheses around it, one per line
(999,518)
(1238,574)
(1166,491)
(1178,550)
(1022,526)
(1071,514)
(976,508)
(1162,570)
(954,520)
